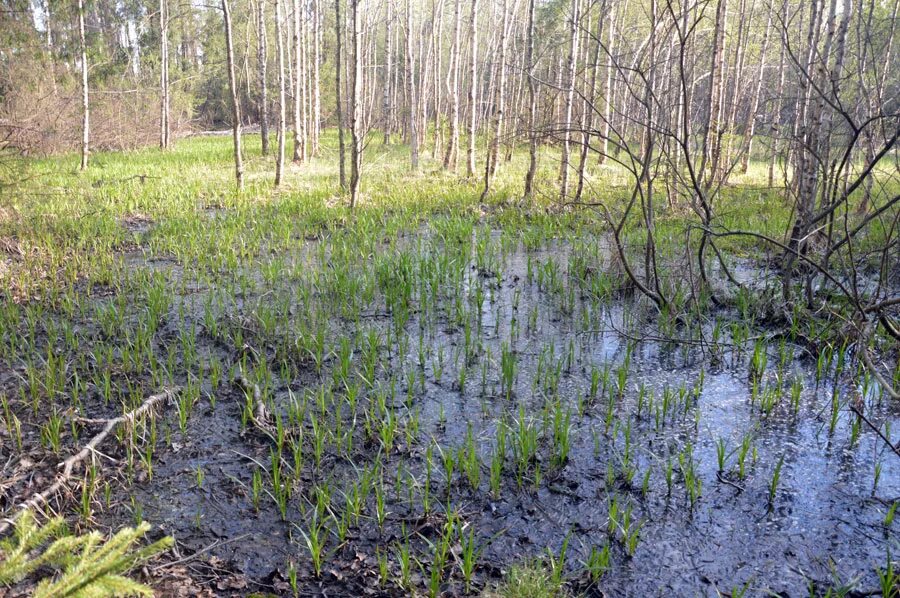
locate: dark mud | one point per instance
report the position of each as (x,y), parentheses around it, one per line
(823,528)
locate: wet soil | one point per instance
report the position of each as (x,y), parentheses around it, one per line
(824,527)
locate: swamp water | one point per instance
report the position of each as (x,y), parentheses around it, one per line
(517,389)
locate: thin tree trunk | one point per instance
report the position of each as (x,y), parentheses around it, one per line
(299,125)
(609,92)
(736,85)
(262,52)
(437,63)
(587,115)
(305,87)
(750,125)
(532,103)
(317,93)
(411,86)
(85,107)
(713,137)
(235,107)
(164,74)
(282,99)
(775,130)
(452,154)
(570,97)
(355,117)
(339,108)
(388,73)
(473,87)
(490,163)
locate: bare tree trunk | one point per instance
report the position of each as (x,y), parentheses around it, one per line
(411,86)
(235,107)
(282,100)
(609,92)
(306,87)
(805,171)
(570,97)
(437,63)
(713,138)
(299,125)
(750,126)
(164,74)
(869,137)
(775,130)
(262,52)
(490,163)
(735,85)
(473,88)
(48,37)
(85,107)
(355,118)
(452,154)
(587,115)
(339,107)
(316,82)
(388,73)
(532,103)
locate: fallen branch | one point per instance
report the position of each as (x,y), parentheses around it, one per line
(68,466)
(259,416)
(199,553)
(876,429)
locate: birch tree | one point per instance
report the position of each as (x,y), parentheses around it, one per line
(262,51)
(235,106)
(451,156)
(164,127)
(566,124)
(85,107)
(356,141)
(473,87)
(411,90)
(282,100)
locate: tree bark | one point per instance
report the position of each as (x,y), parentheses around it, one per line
(164,127)
(235,107)
(411,87)
(587,115)
(85,107)
(609,91)
(713,138)
(775,129)
(355,117)
(282,99)
(262,51)
(299,125)
(316,82)
(750,125)
(490,163)
(388,77)
(473,87)
(532,103)
(339,107)
(570,97)
(451,156)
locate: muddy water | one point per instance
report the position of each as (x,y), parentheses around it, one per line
(824,526)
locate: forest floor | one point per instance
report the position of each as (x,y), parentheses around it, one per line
(428,395)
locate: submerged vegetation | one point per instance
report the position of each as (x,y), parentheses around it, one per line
(433,393)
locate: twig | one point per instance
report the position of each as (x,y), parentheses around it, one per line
(199,553)
(260,417)
(725,480)
(875,429)
(69,464)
